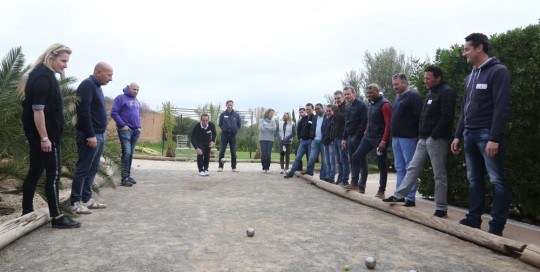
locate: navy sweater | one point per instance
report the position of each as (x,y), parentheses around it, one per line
(91,110)
(486,101)
(406,112)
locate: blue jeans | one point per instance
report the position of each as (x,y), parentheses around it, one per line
(329,160)
(435,150)
(344,169)
(403,149)
(359,160)
(316,147)
(230,139)
(353,143)
(475,141)
(87,167)
(266,153)
(301,150)
(128,141)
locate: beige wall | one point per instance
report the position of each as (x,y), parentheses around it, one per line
(151,127)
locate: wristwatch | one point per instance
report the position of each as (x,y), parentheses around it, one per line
(44,139)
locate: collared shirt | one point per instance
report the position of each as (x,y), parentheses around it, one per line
(318,132)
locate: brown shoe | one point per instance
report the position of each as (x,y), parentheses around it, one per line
(351,186)
(380,194)
(362,190)
(303,172)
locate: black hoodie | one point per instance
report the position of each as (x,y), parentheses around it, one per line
(486,100)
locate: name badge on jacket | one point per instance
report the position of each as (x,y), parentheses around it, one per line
(481,86)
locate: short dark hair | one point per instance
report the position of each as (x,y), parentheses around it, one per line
(400,76)
(318,104)
(309,105)
(338,92)
(301,109)
(435,70)
(205,115)
(330,106)
(349,88)
(478,39)
(229,101)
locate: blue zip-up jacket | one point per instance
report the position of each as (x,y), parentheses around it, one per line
(229,122)
(486,100)
(91,110)
(126,110)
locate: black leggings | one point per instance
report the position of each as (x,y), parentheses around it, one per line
(39,161)
(284,155)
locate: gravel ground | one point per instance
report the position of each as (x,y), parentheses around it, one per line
(175,220)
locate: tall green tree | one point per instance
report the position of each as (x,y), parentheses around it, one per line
(379,68)
(169,122)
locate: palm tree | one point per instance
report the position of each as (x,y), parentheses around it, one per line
(13,147)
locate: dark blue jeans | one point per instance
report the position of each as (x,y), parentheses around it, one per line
(303,148)
(344,168)
(87,168)
(128,141)
(359,159)
(353,144)
(230,139)
(475,141)
(316,147)
(266,153)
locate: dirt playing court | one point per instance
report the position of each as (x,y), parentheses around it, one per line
(175,220)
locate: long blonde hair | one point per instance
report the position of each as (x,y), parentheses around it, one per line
(289,119)
(46,58)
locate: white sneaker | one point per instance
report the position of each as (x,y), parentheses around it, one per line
(80,209)
(220,169)
(93,204)
(206,173)
(202,174)
(234,170)
(281,171)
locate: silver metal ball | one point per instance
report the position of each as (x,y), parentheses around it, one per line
(250,232)
(371,262)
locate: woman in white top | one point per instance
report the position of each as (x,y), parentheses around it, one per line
(286,132)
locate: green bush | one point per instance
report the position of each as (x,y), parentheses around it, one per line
(519,50)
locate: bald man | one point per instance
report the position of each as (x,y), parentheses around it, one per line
(126,112)
(91,128)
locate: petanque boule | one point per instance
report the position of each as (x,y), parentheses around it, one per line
(346,267)
(250,232)
(371,262)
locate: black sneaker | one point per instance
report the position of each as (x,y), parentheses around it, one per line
(65,222)
(468,223)
(126,182)
(132,180)
(441,214)
(409,203)
(393,199)
(287,176)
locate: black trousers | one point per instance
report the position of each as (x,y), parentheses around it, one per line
(39,161)
(204,160)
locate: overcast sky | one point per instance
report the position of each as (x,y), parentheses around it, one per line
(278,54)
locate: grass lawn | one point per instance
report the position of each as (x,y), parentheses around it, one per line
(156,150)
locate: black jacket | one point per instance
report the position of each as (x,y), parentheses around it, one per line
(202,137)
(326,130)
(303,130)
(438,113)
(355,119)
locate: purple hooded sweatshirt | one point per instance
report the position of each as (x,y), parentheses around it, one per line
(126,110)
